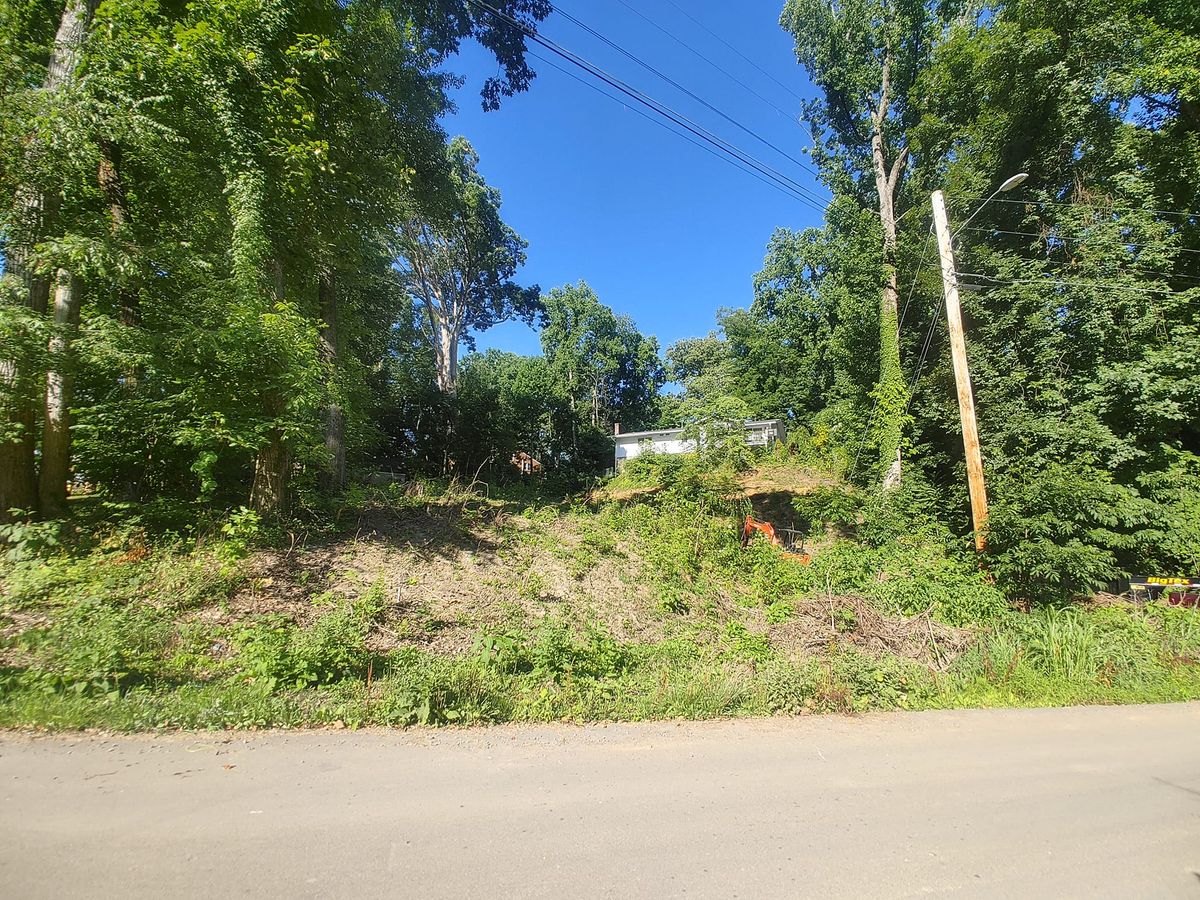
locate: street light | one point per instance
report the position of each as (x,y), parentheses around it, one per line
(1009,183)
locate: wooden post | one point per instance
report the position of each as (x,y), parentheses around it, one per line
(962,375)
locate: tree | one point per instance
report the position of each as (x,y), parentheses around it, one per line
(508,404)
(225,179)
(711,409)
(1084,331)
(458,259)
(34,207)
(865,56)
(609,372)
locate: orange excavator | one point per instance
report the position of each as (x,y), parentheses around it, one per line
(787,544)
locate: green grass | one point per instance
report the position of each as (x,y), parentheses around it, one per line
(93,678)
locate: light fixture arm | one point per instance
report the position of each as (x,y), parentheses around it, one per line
(1009,183)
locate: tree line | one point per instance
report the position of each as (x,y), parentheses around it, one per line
(1083,295)
(242,255)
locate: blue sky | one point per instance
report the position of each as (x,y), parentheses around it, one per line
(662,230)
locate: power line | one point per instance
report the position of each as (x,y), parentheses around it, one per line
(1046,238)
(736,50)
(1120,268)
(912,288)
(1140,270)
(679,87)
(933,324)
(937,314)
(782,181)
(1157,212)
(1093,284)
(682,43)
(657,121)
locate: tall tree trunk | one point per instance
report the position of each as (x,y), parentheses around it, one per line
(445,355)
(890,400)
(250,257)
(270,490)
(333,479)
(18,479)
(33,210)
(68,42)
(56,429)
(272,468)
(129,312)
(108,176)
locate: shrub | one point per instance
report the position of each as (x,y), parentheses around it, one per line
(94,647)
(815,446)
(240,531)
(905,513)
(1054,532)
(422,689)
(29,540)
(870,683)
(790,688)
(1170,541)
(828,506)
(553,653)
(917,576)
(747,644)
(847,681)
(1179,629)
(780,611)
(274,650)
(1060,643)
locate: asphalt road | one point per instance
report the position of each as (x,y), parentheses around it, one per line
(1100,802)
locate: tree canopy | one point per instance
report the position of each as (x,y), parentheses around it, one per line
(241,255)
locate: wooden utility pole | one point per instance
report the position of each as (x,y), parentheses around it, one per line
(962,375)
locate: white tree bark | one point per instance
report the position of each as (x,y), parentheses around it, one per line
(56,427)
(33,210)
(446,353)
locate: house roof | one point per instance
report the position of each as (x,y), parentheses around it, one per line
(664,431)
(643,434)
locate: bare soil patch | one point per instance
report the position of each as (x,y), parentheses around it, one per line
(852,620)
(446,574)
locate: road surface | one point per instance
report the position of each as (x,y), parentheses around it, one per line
(1099,802)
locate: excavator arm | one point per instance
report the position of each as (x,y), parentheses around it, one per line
(751,525)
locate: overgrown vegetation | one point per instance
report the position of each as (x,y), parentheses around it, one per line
(245,480)
(637,608)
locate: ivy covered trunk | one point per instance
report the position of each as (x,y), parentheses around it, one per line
(889,393)
(333,479)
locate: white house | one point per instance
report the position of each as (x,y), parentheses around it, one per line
(671,440)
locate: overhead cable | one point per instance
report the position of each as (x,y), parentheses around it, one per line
(1041,236)
(1102,206)
(1065,283)
(789,185)
(682,43)
(736,50)
(684,90)
(662,123)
